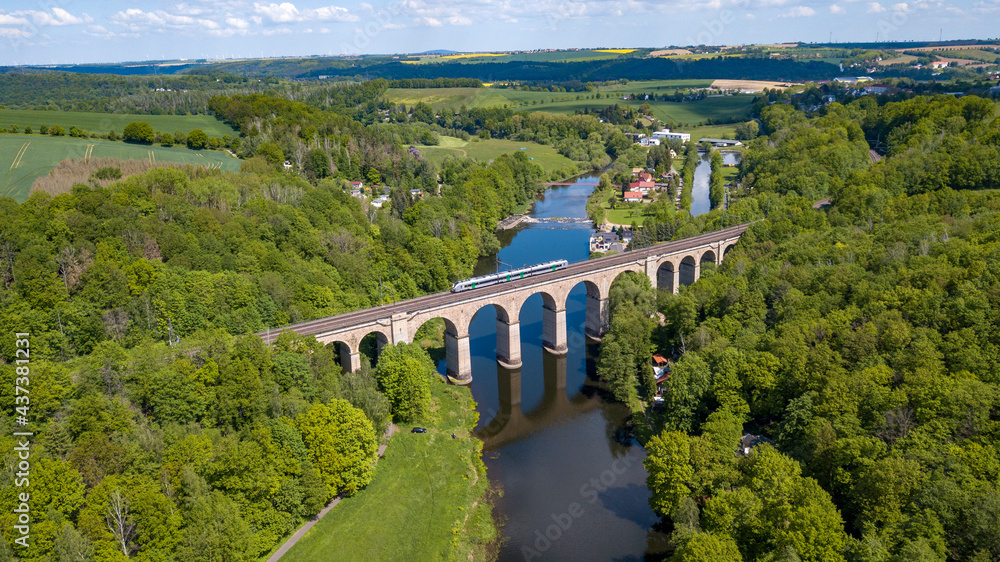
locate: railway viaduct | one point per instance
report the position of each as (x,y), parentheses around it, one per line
(667,265)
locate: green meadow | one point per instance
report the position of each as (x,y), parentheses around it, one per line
(102,123)
(423,502)
(25,158)
(485,150)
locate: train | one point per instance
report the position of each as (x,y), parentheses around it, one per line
(506,276)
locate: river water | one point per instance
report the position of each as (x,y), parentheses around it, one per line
(700,202)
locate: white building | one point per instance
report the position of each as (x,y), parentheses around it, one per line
(667,135)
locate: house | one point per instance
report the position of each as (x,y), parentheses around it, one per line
(357,193)
(667,135)
(632,196)
(645,176)
(661,379)
(877,89)
(649,142)
(749,441)
(721,142)
(636,171)
(602,241)
(417,192)
(357,185)
(642,187)
(287,165)
(379,201)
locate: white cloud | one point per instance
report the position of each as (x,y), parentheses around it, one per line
(58,16)
(7,19)
(286,12)
(105,33)
(875,8)
(901,7)
(459,20)
(9,32)
(799,12)
(238,23)
(835,9)
(433,22)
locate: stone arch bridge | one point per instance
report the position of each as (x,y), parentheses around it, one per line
(667,265)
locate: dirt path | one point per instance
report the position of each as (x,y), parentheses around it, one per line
(294,539)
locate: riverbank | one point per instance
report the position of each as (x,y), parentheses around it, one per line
(428,500)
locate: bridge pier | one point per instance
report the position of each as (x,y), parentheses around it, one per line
(351,362)
(509,344)
(598,316)
(554,329)
(458,358)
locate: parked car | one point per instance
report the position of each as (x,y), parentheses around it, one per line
(418,430)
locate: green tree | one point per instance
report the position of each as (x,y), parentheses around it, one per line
(197,139)
(138,132)
(404,373)
(271,152)
(215,531)
(341,444)
(668,470)
(707,547)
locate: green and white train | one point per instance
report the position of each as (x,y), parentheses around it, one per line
(506,276)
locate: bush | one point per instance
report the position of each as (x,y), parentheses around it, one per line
(139,132)
(197,139)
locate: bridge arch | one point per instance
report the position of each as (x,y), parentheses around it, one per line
(371,344)
(708,255)
(345,356)
(668,275)
(690,269)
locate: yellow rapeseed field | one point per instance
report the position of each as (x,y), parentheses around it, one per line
(469,55)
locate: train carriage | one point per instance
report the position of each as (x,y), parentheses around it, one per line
(507,276)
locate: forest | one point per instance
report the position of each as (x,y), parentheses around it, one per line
(169,430)
(857,342)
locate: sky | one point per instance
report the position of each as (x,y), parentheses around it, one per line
(76,31)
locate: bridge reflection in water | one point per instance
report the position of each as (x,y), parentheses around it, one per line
(511,423)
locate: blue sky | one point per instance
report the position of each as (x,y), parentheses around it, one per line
(75,31)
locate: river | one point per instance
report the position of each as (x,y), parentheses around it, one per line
(699,190)
(574,487)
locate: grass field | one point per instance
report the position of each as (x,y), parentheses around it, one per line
(625,216)
(25,158)
(104,122)
(691,114)
(422,503)
(484,150)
